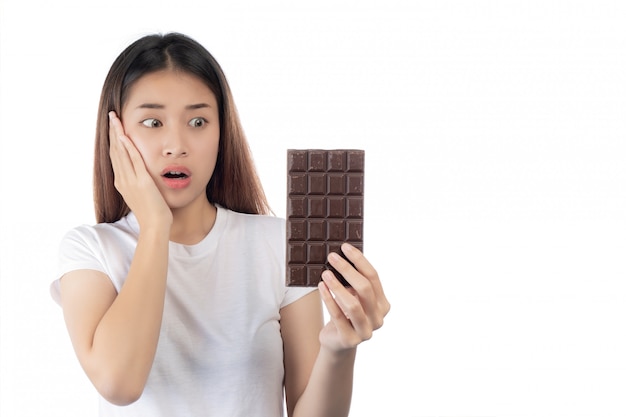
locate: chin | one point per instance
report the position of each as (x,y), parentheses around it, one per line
(179,204)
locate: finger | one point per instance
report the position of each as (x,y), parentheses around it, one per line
(360,286)
(359,283)
(362,264)
(116,131)
(118,128)
(138,164)
(368,271)
(372,299)
(114,147)
(336,314)
(120,160)
(127,147)
(349,306)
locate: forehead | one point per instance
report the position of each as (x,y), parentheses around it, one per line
(170,88)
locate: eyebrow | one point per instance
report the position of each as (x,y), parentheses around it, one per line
(161,106)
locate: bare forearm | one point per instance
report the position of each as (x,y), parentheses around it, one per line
(329,391)
(125,340)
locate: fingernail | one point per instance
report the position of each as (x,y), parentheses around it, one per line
(111,114)
(326,275)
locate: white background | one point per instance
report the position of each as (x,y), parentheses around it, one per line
(495,188)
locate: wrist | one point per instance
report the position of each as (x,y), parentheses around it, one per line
(338,356)
(155,230)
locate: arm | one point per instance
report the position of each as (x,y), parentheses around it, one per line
(319,373)
(115,335)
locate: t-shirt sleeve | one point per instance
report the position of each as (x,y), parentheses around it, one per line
(295,293)
(78,250)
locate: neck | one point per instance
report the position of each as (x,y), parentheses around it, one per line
(191,224)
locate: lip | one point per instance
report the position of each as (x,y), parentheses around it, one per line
(176,183)
(176,168)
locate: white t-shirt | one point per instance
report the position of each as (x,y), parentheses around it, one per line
(220,350)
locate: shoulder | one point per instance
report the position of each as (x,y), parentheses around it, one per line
(104,247)
(88,241)
(125,227)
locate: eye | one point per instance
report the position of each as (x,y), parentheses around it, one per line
(151,123)
(197,122)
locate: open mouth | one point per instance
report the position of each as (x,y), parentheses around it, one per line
(175,175)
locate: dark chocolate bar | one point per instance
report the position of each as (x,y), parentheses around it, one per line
(324,209)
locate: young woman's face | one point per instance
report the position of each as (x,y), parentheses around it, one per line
(172,118)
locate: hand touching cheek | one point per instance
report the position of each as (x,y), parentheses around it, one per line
(132,179)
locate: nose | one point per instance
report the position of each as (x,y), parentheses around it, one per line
(174,144)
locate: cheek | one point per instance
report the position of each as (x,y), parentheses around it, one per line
(140,142)
(145,149)
(142,147)
(208,145)
(212,152)
(209,157)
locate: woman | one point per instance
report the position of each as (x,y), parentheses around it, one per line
(175,301)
